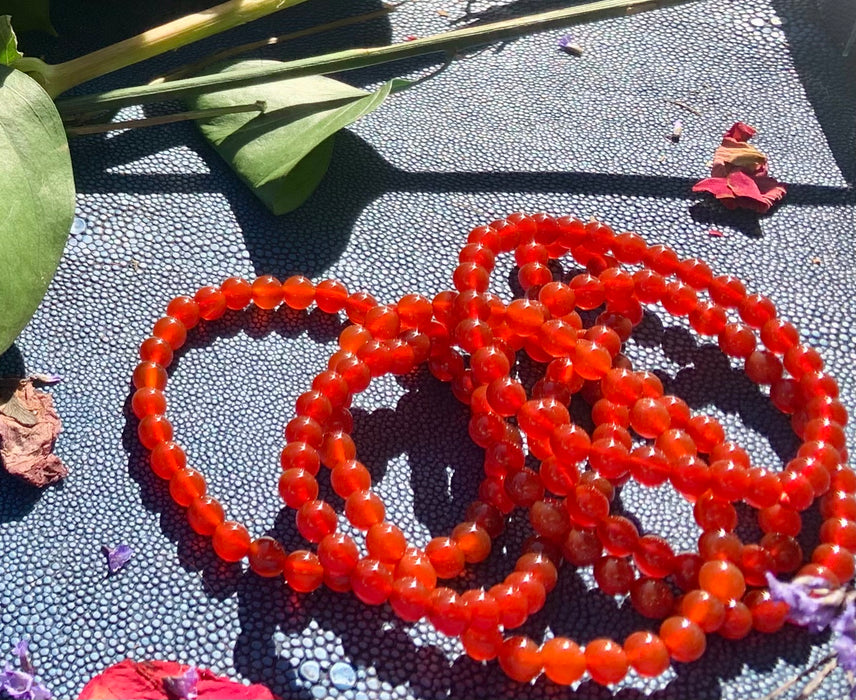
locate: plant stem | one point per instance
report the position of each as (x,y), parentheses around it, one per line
(101,128)
(198,66)
(58,78)
(447,42)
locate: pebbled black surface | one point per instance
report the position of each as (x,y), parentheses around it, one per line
(516,127)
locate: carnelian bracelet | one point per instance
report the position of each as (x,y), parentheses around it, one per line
(470,338)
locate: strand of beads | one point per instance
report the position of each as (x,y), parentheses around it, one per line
(470,339)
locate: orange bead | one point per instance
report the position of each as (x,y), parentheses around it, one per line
(299,455)
(166,459)
(338,553)
(410,599)
(768,615)
(156,350)
(303,571)
(267,557)
(445,556)
(171,331)
(204,515)
(337,448)
(606,661)
(238,292)
(186,485)
(148,401)
(353,337)
(386,542)
(298,292)
(722,579)
(703,608)
(383,322)
(541,566)
(297,486)
(267,292)
(364,509)
(350,477)
(415,564)
(481,645)
(315,520)
(473,541)
(371,582)
(357,305)
(738,621)
(684,639)
(520,658)
(330,296)
(837,559)
(231,541)
(212,303)
(149,374)
(185,310)
(564,661)
(154,429)
(646,653)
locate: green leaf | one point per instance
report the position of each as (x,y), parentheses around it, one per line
(8,42)
(283,153)
(29,15)
(36,198)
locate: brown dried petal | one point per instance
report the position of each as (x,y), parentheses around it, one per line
(29,425)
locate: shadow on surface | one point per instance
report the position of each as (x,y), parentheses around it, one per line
(310,239)
(817,32)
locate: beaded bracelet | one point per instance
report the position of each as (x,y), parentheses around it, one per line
(470,338)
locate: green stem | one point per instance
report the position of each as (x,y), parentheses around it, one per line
(198,66)
(58,78)
(447,42)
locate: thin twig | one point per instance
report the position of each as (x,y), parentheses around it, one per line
(685,106)
(85,129)
(815,682)
(785,687)
(194,68)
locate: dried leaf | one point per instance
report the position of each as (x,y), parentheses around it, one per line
(29,426)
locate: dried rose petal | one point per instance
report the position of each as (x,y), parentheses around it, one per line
(29,426)
(739,176)
(145,680)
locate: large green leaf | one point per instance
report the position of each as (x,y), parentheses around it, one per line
(8,42)
(36,198)
(283,153)
(29,15)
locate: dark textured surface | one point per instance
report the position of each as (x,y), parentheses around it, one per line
(521,126)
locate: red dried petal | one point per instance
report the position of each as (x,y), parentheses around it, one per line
(717,186)
(144,680)
(739,176)
(740,132)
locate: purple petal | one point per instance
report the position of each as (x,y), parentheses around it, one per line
(117,557)
(17,684)
(39,692)
(565,41)
(845,623)
(21,651)
(812,611)
(182,687)
(845,647)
